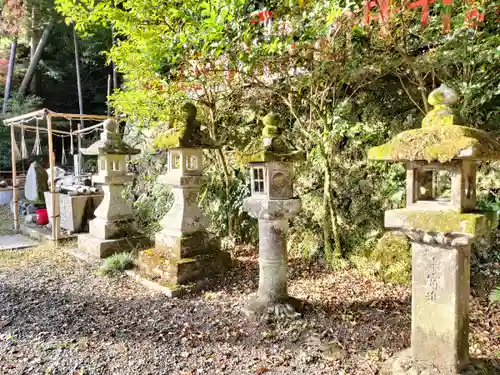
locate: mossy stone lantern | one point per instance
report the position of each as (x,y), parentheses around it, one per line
(113,229)
(272,203)
(442,228)
(184,253)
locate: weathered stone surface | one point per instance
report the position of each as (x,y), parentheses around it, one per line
(113,228)
(440,293)
(442,231)
(471,225)
(101,248)
(185,215)
(265,208)
(36,182)
(272,295)
(184,252)
(180,271)
(75,211)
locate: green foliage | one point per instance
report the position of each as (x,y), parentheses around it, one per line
(152,200)
(337,87)
(15,107)
(392,255)
(116,264)
(216,206)
(495,295)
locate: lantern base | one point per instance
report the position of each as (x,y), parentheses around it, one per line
(101,248)
(402,363)
(183,259)
(284,308)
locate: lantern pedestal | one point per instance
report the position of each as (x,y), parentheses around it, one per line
(113,229)
(441,247)
(441,221)
(184,253)
(272,295)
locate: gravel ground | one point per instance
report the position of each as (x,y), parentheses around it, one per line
(57,316)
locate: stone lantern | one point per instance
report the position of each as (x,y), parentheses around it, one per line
(272,203)
(184,253)
(442,228)
(113,229)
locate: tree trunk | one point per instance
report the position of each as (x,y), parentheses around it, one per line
(10,74)
(113,66)
(330,214)
(35,59)
(327,228)
(34,38)
(80,102)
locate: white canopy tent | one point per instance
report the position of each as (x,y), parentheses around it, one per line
(24,122)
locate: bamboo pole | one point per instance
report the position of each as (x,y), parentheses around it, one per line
(74,115)
(40,129)
(41,112)
(15,199)
(53,195)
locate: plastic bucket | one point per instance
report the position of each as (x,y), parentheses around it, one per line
(41,216)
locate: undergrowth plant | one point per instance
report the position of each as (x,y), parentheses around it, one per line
(116,264)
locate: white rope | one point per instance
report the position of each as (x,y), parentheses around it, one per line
(71,147)
(24,150)
(63,156)
(37,149)
(16,149)
(27,120)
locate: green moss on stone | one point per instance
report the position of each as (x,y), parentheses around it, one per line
(437,143)
(170,286)
(472,224)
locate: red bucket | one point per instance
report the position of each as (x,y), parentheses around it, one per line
(41,216)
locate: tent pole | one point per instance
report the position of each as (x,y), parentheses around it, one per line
(53,194)
(15,198)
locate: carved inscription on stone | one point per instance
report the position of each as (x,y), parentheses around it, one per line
(432,278)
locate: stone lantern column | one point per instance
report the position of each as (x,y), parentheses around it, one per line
(442,230)
(185,253)
(113,229)
(272,203)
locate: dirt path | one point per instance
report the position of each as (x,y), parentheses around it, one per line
(58,317)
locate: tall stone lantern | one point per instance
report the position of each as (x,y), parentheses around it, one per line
(442,228)
(272,203)
(185,253)
(113,229)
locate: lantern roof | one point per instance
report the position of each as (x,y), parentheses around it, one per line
(110,142)
(440,138)
(273,146)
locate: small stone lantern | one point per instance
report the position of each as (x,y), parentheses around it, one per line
(184,253)
(272,203)
(113,229)
(441,229)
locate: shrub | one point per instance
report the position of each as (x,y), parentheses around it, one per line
(116,264)
(393,257)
